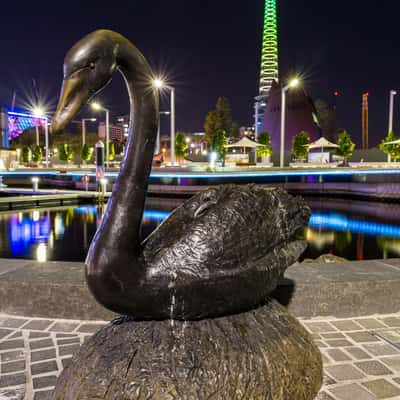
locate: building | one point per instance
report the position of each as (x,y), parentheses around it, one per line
(116,132)
(300,116)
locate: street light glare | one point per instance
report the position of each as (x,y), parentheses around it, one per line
(38,112)
(158,83)
(294,82)
(96,106)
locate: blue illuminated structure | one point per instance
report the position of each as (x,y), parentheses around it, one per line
(17,122)
(339,222)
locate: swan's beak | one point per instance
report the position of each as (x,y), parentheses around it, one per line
(75,93)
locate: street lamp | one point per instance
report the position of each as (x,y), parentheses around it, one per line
(292,84)
(160,84)
(158,141)
(98,107)
(39,112)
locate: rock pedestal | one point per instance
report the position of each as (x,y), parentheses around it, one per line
(260,354)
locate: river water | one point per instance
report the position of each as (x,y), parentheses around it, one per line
(355,230)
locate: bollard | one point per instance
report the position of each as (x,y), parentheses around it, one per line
(35,183)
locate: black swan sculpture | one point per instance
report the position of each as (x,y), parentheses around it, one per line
(220,253)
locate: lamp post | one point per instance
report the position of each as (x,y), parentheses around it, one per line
(158,141)
(99,107)
(84,128)
(256,116)
(38,112)
(392,94)
(159,84)
(293,83)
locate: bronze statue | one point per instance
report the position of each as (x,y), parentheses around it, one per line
(220,253)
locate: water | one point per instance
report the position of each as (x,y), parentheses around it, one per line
(354,230)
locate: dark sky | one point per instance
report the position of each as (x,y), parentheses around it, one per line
(212,47)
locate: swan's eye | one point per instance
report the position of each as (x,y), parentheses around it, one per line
(92,65)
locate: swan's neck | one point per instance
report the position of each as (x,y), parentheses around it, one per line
(119,235)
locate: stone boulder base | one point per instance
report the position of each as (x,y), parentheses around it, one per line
(261,354)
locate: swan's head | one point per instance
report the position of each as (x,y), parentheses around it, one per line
(88,68)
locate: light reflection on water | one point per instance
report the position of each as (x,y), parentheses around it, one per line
(350,229)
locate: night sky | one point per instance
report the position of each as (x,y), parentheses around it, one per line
(211,48)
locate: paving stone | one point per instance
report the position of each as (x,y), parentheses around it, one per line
(325,359)
(344,372)
(66,361)
(318,327)
(382,389)
(327,380)
(39,344)
(63,327)
(363,337)
(43,355)
(334,335)
(390,336)
(43,395)
(15,335)
(17,393)
(370,323)
(66,335)
(324,396)
(38,335)
(44,382)
(15,366)
(373,367)
(352,392)
(44,367)
(346,325)
(392,362)
(338,355)
(357,353)
(391,321)
(38,324)
(11,344)
(12,322)
(338,343)
(5,332)
(12,356)
(69,341)
(68,350)
(381,349)
(12,380)
(90,328)
(320,344)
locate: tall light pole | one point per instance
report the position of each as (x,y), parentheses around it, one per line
(293,83)
(158,141)
(38,112)
(256,116)
(84,128)
(392,94)
(159,84)
(99,107)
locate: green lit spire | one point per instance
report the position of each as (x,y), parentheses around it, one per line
(269,55)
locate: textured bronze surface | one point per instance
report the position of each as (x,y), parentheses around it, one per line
(259,355)
(220,253)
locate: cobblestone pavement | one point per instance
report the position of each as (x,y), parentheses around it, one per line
(361,356)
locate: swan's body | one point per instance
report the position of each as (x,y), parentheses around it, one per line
(220,253)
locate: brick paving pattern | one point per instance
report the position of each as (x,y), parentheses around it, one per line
(361,355)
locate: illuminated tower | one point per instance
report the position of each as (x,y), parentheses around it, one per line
(269,61)
(269,53)
(365,121)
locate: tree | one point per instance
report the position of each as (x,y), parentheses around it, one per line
(37,154)
(393,150)
(86,153)
(219,120)
(300,144)
(346,146)
(65,152)
(219,145)
(26,154)
(111,152)
(264,139)
(181,146)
